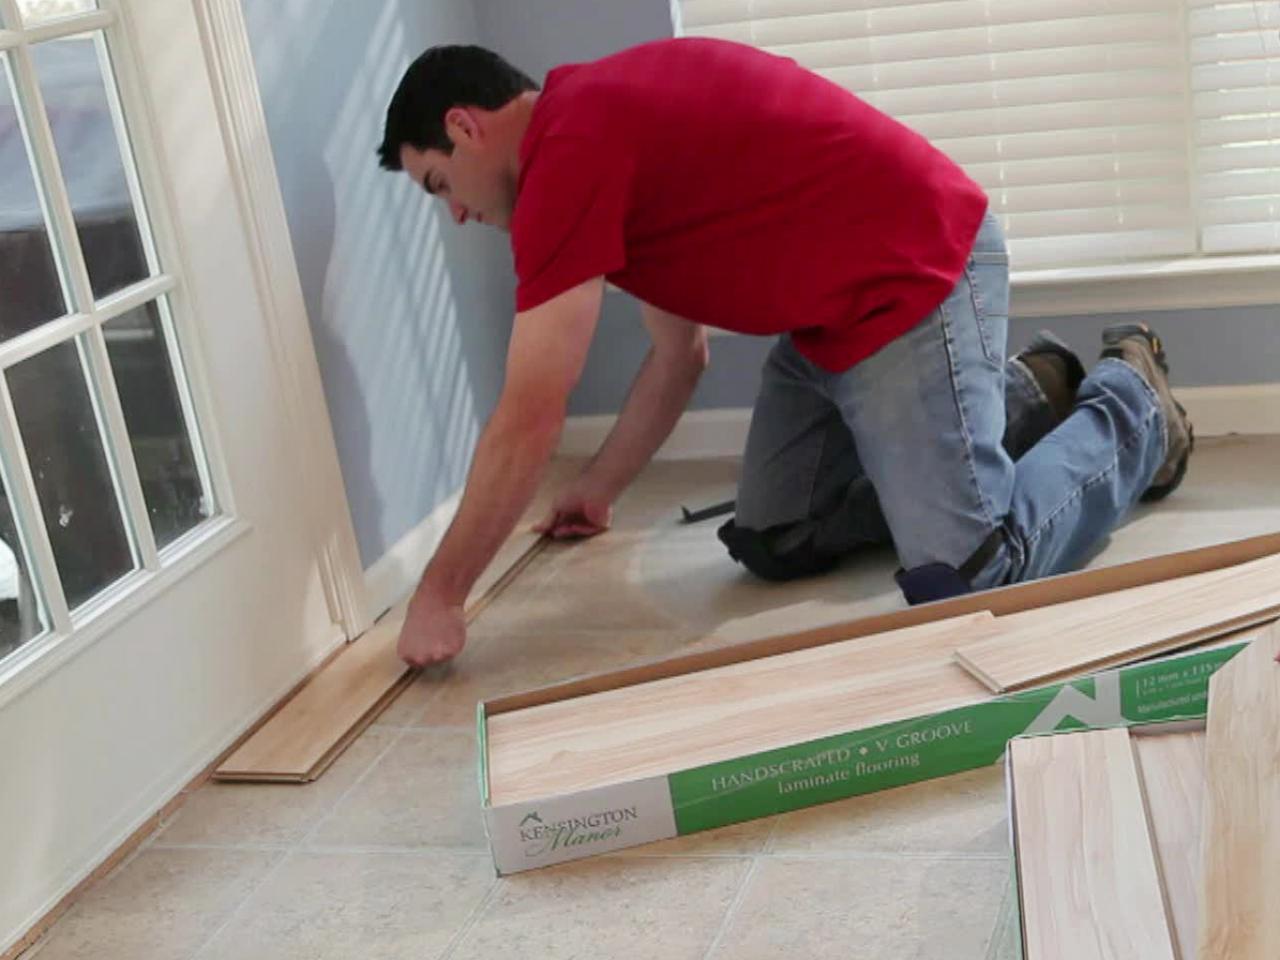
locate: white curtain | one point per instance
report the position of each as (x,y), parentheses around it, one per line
(1105,131)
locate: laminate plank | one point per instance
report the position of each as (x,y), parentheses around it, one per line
(1087,873)
(679,722)
(1040,646)
(303,738)
(1172,767)
(339,702)
(1241,842)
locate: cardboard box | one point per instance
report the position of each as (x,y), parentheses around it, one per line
(558,828)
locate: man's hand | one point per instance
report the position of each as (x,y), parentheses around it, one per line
(433,630)
(578,512)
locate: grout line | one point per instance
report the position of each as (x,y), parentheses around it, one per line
(266,877)
(327,815)
(735,906)
(371,849)
(247,846)
(339,849)
(471,920)
(1004,916)
(768,848)
(289,851)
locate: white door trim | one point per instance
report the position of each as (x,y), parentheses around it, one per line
(244,126)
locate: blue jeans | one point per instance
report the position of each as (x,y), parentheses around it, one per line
(913,446)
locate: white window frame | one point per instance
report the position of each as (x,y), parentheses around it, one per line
(67,632)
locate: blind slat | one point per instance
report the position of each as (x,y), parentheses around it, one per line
(1050,117)
(1032,91)
(1103,130)
(941,74)
(1067,171)
(915,43)
(1120,194)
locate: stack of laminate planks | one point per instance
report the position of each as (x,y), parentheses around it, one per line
(624,732)
(1156,843)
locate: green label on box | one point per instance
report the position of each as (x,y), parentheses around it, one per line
(895,754)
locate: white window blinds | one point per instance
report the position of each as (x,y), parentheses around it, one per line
(1105,131)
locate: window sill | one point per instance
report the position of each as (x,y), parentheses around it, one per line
(37,659)
(1202,283)
(1188,284)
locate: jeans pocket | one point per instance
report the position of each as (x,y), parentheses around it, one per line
(988,276)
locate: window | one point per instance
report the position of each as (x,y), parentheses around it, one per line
(102,470)
(1106,132)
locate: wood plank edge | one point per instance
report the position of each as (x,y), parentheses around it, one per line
(1016,841)
(228,774)
(517,567)
(1174,645)
(361,725)
(977,672)
(1171,928)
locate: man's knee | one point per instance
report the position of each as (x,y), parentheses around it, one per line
(785,552)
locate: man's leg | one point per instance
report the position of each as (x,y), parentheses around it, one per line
(804,501)
(927,414)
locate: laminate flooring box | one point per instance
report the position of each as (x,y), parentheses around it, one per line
(754,729)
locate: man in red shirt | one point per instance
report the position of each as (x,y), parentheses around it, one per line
(724,186)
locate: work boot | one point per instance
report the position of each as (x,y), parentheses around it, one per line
(1056,370)
(1137,345)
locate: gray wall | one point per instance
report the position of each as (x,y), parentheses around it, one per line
(410,315)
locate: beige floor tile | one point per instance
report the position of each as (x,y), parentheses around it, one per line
(423,792)
(491,666)
(965,813)
(736,839)
(619,908)
(869,909)
(161,905)
(584,586)
(232,813)
(380,906)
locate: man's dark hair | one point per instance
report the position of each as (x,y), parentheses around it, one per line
(439,80)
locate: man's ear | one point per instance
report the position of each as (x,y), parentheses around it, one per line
(461,126)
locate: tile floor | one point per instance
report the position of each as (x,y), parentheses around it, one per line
(385,857)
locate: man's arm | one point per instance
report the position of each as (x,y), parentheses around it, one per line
(544,360)
(658,396)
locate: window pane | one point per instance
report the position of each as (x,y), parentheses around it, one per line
(77,496)
(75,96)
(21,616)
(38,11)
(162,448)
(30,292)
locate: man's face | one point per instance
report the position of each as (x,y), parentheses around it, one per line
(474,180)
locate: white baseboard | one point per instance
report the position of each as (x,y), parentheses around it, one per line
(700,433)
(391,577)
(1252,408)
(1216,411)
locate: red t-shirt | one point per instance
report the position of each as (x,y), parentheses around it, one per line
(734,188)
